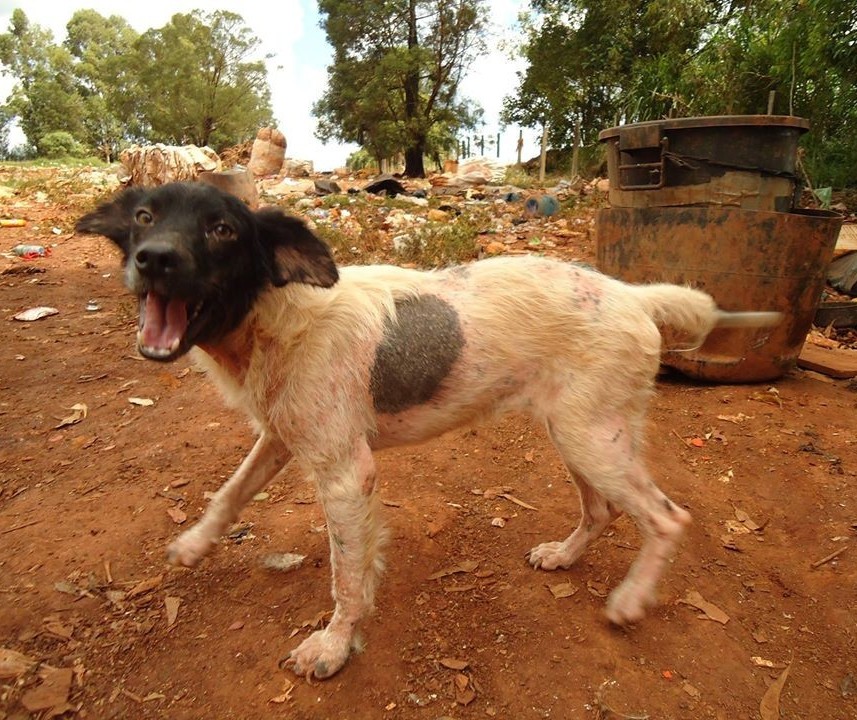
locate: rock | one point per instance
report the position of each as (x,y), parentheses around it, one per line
(495,248)
(296,168)
(386,184)
(269,151)
(237,182)
(159,164)
(327,187)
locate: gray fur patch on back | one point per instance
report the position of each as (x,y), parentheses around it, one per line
(416,353)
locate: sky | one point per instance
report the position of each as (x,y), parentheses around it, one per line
(289,30)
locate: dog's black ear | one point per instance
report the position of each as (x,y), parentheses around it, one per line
(299,256)
(114,218)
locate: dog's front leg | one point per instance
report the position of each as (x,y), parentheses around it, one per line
(265,460)
(350,506)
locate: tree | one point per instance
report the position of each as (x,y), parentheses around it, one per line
(393,84)
(200,82)
(102,48)
(45,98)
(633,60)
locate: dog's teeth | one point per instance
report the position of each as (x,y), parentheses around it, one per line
(174,345)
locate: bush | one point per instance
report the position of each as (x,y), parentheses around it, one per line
(60,144)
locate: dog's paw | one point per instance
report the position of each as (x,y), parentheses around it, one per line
(321,655)
(551,556)
(629,602)
(190,547)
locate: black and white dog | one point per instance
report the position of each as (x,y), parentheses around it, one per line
(331,365)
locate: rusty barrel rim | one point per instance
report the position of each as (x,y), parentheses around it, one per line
(713,121)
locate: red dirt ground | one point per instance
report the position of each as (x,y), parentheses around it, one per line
(770,477)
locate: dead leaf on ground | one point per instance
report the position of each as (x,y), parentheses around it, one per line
(495,492)
(53,625)
(710,610)
(79,412)
(52,693)
(772,396)
(530,456)
(171,604)
(521,503)
(562,590)
(286,695)
(762,662)
(769,708)
(736,419)
(498,522)
(454,664)
(283,561)
(464,692)
(142,402)
(745,520)
(36,313)
(237,625)
(145,586)
(14,664)
(596,588)
(691,690)
(465,566)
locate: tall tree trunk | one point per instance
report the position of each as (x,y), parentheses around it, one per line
(414,153)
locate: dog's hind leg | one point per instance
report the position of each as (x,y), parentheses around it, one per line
(265,460)
(351,509)
(606,453)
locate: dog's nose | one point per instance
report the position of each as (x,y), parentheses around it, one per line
(156,260)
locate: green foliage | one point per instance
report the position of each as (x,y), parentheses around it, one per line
(196,80)
(59,144)
(359,159)
(633,60)
(393,85)
(202,86)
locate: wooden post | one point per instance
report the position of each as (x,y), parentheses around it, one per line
(771,97)
(498,146)
(575,152)
(520,144)
(543,159)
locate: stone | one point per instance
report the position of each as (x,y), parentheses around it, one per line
(269,151)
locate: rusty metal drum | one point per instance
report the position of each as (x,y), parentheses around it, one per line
(745,259)
(745,161)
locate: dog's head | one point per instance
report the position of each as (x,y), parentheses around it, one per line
(197,258)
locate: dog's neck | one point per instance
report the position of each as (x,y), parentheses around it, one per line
(232,353)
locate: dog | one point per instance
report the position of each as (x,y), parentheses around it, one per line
(332,364)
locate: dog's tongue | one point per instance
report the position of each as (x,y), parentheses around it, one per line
(164,322)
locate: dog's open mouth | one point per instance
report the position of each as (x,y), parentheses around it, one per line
(166,326)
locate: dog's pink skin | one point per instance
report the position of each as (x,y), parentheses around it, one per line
(574,349)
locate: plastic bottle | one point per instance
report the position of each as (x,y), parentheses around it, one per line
(26,251)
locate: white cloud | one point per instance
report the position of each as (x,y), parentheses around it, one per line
(297,72)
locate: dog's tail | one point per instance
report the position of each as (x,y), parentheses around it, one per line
(694,313)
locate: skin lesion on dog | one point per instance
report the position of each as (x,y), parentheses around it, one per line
(261,300)
(418,349)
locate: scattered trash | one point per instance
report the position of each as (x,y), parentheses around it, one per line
(385,184)
(92,306)
(543,206)
(12,222)
(36,313)
(28,252)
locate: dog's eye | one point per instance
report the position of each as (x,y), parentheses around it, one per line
(143,217)
(221,231)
